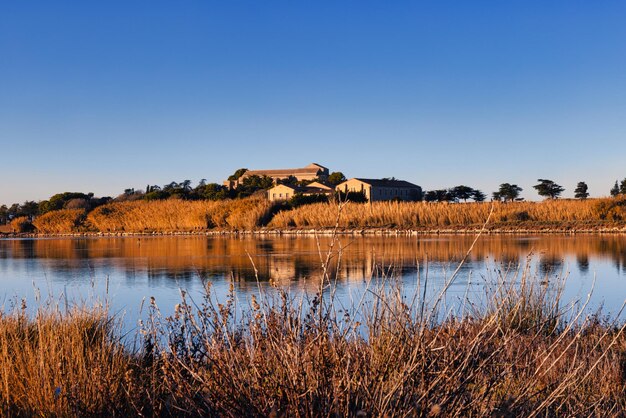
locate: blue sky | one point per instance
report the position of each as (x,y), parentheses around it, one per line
(102,96)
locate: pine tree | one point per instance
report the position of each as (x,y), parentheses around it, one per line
(581,191)
(615,189)
(548,188)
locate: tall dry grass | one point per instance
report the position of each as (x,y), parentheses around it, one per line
(60,221)
(21,224)
(179,215)
(57,363)
(409,215)
(522,352)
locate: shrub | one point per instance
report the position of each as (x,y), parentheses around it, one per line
(22,224)
(60,221)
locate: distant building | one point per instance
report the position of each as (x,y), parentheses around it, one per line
(383,189)
(285,192)
(310,172)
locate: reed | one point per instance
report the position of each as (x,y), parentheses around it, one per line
(21,224)
(424,215)
(179,215)
(60,221)
(521,352)
(62,363)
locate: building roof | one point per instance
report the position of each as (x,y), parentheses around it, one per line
(401,184)
(285,171)
(306,189)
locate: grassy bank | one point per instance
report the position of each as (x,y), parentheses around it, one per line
(421,215)
(166,216)
(521,353)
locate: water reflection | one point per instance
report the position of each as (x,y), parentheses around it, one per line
(136,268)
(285,259)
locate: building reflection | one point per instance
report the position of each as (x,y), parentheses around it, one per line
(283,260)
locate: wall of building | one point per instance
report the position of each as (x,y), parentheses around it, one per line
(280,192)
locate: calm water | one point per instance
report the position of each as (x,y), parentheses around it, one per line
(132,269)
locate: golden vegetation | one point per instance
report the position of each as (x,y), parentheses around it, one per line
(60,221)
(179,215)
(423,215)
(61,364)
(520,354)
(21,224)
(174,215)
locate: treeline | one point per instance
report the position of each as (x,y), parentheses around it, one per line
(183,190)
(75,206)
(508,192)
(175,215)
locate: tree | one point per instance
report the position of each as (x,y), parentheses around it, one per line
(548,188)
(336,178)
(4,214)
(581,191)
(214,191)
(478,196)
(462,192)
(622,187)
(288,181)
(237,174)
(185,185)
(615,189)
(254,183)
(507,192)
(440,195)
(30,209)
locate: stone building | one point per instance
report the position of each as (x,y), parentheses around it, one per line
(312,171)
(382,189)
(286,192)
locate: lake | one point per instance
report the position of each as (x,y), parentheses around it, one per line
(129,270)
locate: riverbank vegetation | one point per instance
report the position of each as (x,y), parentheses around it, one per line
(521,352)
(564,214)
(176,215)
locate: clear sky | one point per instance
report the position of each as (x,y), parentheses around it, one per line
(102,96)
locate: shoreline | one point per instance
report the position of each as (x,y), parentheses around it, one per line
(330,231)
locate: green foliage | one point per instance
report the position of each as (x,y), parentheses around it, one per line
(622,187)
(59,200)
(300,199)
(4,214)
(213,191)
(507,192)
(156,195)
(462,192)
(548,188)
(288,181)
(252,184)
(478,196)
(357,197)
(581,190)
(237,174)
(454,194)
(615,189)
(440,195)
(336,178)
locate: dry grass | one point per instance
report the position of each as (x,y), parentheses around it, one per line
(424,215)
(60,221)
(521,353)
(21,224)
(249,214)
(61,363)
(179,215)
